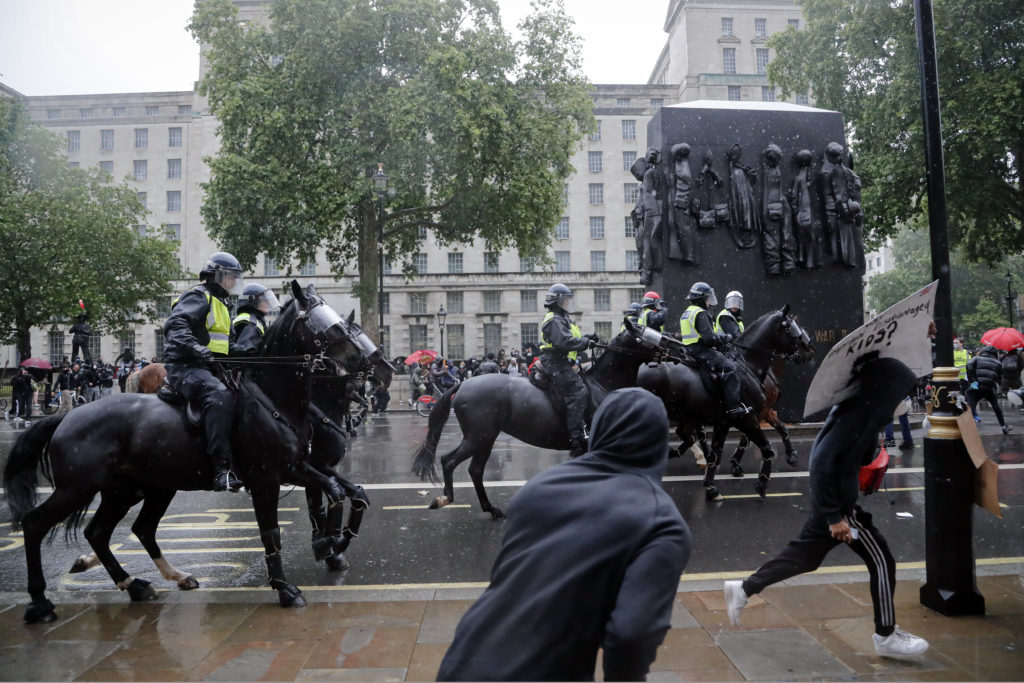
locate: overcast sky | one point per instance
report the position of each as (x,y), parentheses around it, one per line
(68,47)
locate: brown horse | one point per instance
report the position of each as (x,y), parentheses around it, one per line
(768,415)
(146,380)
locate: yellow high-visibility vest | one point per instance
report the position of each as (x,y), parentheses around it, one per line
(686,326)
(218,323)
(960,359)
(643,318)
(248,317)
(545,344)
(726,311)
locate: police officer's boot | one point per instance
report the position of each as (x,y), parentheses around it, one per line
(223,478)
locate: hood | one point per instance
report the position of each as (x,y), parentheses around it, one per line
(631,428)
(989,351)
(880,385)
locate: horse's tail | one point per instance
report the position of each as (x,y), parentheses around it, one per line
(22,463)
(424,463)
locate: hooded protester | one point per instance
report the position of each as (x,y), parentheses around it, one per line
(847,441)
(984,374)
(591,559)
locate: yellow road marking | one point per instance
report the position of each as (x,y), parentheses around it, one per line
(422,507)
(903,488)
(731,496)
(205,539)
(249,509)
(217,525)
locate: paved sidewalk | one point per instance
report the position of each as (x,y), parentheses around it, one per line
(818,630)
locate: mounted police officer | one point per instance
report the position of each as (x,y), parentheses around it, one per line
(654,312)
(632,312)
(560,342)
(196,333)
(249,326)
(703,342)
(730,319)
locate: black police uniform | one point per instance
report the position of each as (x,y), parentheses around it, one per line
(729,323)
(247,331)
(558,343)
(706,349)
(653,318)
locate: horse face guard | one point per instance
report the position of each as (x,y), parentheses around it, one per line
(332,332)
(801,348)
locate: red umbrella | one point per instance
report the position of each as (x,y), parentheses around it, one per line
(1003,338)
(37,363)
(415,356)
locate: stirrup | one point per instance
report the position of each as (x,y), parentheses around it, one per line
(737,410)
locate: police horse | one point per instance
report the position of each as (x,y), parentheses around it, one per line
(684,388)
(135,446)
(487,405)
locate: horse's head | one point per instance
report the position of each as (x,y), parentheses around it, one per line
(646,343)
(362,355)
(790,339)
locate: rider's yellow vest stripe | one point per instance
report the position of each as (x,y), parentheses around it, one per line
(248,317)
(218,323)
(643,318)
(686,327)
(726,311)
(545,344)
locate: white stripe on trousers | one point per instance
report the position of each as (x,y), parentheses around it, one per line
(885,591)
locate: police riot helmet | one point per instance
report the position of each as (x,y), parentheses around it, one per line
(259,298)
(558,295)
(734,299)
(633,309)
(223,269)
(702,290)
(651,299)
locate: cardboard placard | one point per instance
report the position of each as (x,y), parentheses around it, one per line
(969,433)
(986,489)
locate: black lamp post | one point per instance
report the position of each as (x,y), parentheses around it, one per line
(1009,296)
(441,316)
(380,186)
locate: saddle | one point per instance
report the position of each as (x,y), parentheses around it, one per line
(539,378)
(711,380)
(168,394)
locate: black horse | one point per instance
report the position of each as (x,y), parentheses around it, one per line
(136,447)
(690,405)
(487,405)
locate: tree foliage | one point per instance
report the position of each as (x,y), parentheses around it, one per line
(475,130)
(979,290)
(68,234)
(859,57)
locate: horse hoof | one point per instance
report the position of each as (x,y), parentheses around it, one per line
(439,503)
(497,513)
(79,566)
(40,612)
(337,562)
(321,548)
(737,470)
(712,495)
(291,596)
(761,487)
(188,583)
(141,591)
(791,459)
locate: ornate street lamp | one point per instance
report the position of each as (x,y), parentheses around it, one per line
(380,186)
(441,316)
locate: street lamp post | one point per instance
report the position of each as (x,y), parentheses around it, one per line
(380,186)
(1009,296)
(441,316)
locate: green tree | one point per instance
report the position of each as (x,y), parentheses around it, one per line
(68,234)
(978,290)
(859,57)
(475,130)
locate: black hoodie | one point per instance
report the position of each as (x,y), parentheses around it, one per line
(591,558)
(849,438)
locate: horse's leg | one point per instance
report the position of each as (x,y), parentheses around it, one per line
(114,505)
(35,525)
(713,455)
(154,505)
(787,443)
(737,469)
(752,429)
(449,462)
(317,517)
(264,503)
(476,473)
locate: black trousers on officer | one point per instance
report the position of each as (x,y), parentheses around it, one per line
(570,386)
(199,385)
(974,396)
(724,367)
(807,551)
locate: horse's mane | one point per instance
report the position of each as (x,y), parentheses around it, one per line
(760,322)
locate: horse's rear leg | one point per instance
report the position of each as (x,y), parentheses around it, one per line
(154,506)
(714,457)
(476,473)
(35,525)
(737,469)
(264,503)
(449,462)
(113,507)
(752,429)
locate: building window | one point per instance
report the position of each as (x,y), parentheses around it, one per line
(603,329)
(562,229)
(595,135)
(628,129)
(454,302)
(565,194)
(417,337)
(767,93)
(596,193)
(53,114)
(125,341)
(174,200)
(184,109)
(527,300)
(421,232)
(734,93)
(657,102)
(622,102)
(728,60)
(385,341)
(140,169)
(419,262)
(802,98)
(174,168)
(760,27)
(56,344)
(795,23)
(174,137)
(562,261)
(762,60)
(597,227)
(85,113)
(270,267)
(493,341)
(107,139)
(307,268)
(529,333)
(387,265)
(152,111)
(726,26)
(526,264)
(597,263)
(454,262)
(630,192)
(173,231)
(628,157)
(141,196)
(632,260)
(120,111)
(107,167)
(492,302)
(630,227)
(635,294)
(595,162)
(73,164)
(141,138)
(456,341)
(491,261)
(163,306)
(603,300)
(74,140)
(418,303)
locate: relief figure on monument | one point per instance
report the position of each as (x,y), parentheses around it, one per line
(778,246)
(744,214)
(712,208)
(638,169)
(856,210)
(810,250)
(839,211)
(652,193)
(683,203)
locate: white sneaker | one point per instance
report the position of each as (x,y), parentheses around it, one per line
(899,644)
(735,600)
(18,419)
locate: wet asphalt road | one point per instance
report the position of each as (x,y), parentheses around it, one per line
(401,542)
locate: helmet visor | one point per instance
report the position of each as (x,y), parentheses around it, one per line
(734,301)
(267,301)
(712,299)
(230,279)
(564,301)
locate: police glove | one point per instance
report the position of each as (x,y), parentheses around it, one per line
(974,385)
(726,338)
(203,353)
(593,339)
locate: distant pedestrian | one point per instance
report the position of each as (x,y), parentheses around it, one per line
(984,374)
(590,560)
(489,366)
(21,395)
